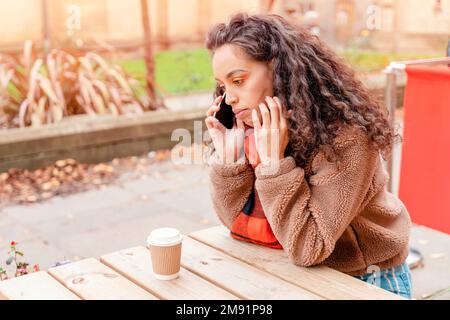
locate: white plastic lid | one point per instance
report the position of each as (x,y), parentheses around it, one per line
(164,237)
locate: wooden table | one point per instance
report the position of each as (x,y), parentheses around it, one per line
(214,266)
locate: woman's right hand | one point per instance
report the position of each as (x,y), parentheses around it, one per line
(229,143)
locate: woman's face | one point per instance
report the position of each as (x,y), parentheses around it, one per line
(245,81)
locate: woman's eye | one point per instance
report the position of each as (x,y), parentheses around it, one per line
(237,82)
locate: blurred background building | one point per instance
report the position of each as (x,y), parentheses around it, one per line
(387,25)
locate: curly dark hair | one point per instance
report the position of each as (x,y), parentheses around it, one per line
(310,79)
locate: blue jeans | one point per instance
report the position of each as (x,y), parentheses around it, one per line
(396,280)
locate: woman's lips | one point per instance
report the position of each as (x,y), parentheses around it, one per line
(241,113)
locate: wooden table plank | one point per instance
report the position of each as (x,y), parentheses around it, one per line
(92,280)
(135,264)
(35,286)
(236,276)
(321,280)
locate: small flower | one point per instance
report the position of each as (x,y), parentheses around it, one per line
(22,268)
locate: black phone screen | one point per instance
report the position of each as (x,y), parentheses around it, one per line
(225,114)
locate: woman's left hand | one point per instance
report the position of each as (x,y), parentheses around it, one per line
(272,135)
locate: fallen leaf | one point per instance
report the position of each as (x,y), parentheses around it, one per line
(438,255)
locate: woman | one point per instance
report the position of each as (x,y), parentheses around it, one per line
(310,179)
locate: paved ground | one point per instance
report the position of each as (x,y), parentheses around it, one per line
(432,281)
(122,215)
(118,216)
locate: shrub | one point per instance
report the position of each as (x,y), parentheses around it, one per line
(36,91)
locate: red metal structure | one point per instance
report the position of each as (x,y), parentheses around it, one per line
(425,163)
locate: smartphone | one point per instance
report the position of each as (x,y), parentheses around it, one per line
(225,114)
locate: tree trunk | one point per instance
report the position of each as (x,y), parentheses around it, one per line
(149,59)
(266,5)
(45,29)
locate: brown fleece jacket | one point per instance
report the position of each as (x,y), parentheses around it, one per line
(338,214)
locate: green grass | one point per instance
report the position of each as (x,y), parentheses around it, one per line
(370,61)
(177,72)
(188,71)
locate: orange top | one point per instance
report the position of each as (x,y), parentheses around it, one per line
(251,225)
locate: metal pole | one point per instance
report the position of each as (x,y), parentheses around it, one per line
(391,105)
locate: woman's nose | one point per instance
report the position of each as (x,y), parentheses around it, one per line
(230,99)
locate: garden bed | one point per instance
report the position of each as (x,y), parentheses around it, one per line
(89,139)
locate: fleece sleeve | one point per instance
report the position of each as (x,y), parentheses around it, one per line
(308,217)
(230,187)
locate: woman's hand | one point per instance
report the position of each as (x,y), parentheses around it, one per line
(229,143)
(272,135)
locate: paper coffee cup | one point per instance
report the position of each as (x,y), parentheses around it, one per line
(165,249)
